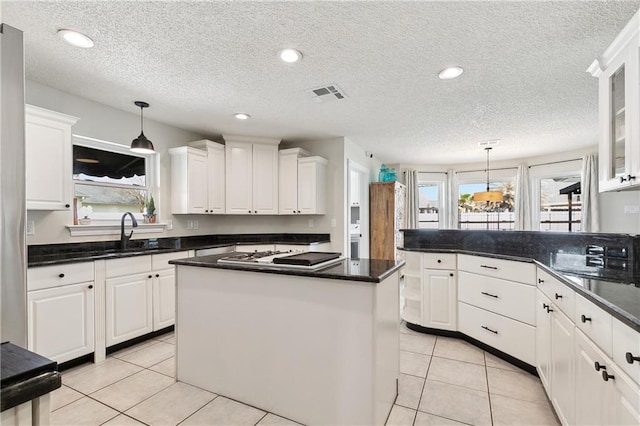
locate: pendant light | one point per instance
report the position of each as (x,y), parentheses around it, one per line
(142,145)
(488,195)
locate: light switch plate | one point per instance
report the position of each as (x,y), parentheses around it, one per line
(169,226)
(31,227)
(310,223)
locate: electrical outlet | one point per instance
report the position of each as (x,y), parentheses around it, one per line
(195,224)
(31,227)
(310,223)
(189,224)
(169,226)
(632,209)
(333,222)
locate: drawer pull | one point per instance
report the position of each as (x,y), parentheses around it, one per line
(549,309)
(150,276)
(488,329)
(599,366)
(439,261)
(545,306)
(61,275)
(157,275)
(540,280)
(630,358)
(489,267)
(584,319)
(606,376)
(450,274)
(90,286)
(488,294)
(558,296)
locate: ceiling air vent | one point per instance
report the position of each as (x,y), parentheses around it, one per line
(327,93)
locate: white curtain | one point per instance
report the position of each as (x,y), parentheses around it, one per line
(451,221)
(523,199)
(589,188)
(412,198)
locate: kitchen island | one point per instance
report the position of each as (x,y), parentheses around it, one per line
(315,346)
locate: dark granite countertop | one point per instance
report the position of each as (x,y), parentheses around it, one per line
(56,254)
(619,297)
(367,270)
(25,375)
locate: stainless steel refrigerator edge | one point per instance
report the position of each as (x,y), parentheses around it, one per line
(13,258)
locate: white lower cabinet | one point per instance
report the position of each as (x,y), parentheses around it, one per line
(164,299)
(439,299)
(61,321)
(543,340)
(562,366)
(509,336)
(129,309)
(604,394)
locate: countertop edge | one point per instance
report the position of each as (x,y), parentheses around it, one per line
(612,309)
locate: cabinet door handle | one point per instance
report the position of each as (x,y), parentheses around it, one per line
(622,179)
(630,358)
(249,211)
(67,205)
(630,178)
(599,366)
(450,274)
(90,286)
(584,319)
(150,276)
(157,275)
(255,211)
(488,329)
(606,376)
(439,261)
(544,306)
(488,294)
(558,296)
(549,310)
(489,267)
(60,275)
(540,280)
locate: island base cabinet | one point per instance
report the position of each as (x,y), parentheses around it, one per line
(129,310)
(314,350)
(509,336)
(61,321)
(543,340)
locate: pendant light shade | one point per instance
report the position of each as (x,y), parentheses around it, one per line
(494,196)
(142,145)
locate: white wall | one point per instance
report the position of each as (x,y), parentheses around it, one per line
(103,122)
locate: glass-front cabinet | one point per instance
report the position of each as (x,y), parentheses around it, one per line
(618,71)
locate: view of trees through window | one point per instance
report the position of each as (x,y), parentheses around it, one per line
(485,214)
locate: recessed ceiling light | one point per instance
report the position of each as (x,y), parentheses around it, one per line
(75,38)
(449,73)
(241,116)
(87,160)
(290,55)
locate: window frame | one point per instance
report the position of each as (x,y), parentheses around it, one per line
(151,175)
(549,171)
(440,179)
(480,176)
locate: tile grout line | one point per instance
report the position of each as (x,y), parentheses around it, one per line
(486,373)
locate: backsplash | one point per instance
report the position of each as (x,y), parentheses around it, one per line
(609,256)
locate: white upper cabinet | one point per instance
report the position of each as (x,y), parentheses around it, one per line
(288,180)
(48,159)
(189,179)
(215,175)
(251,169)
(312,187)
(618,71)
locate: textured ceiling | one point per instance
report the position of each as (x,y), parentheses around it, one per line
(197,63)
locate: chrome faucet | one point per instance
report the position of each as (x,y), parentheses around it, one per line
(124,238)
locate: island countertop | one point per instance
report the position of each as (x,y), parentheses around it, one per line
(367,270)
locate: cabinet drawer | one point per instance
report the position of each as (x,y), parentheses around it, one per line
(596,324)
(560,294)
(507,298)
(512,337)
(439,261)
(626,340)
(522,272)
(42,277)
(161,261)
(128,266)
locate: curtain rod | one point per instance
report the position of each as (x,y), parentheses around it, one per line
(423,171)
(555,162)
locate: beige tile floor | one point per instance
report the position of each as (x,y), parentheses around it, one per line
(443,381)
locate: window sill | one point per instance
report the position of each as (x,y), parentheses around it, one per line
(114,229)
